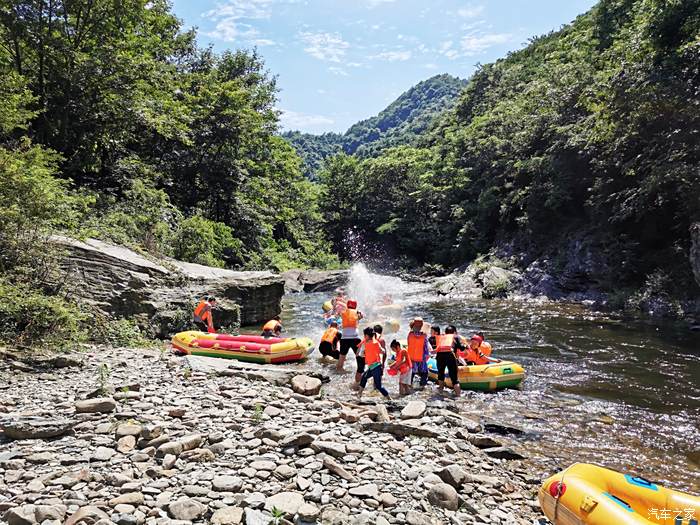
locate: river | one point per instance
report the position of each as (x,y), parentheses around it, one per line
(620,393)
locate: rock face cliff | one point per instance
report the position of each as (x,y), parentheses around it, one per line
(160,294)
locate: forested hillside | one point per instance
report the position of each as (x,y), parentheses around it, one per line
(401,123)
(115,124)
(582,149)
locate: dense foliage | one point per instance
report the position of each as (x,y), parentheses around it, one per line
(401,123)
(164,136)
(583,148)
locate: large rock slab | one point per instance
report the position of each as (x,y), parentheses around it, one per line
(286,502)
(35,427)
(123,283)
(97,405)
(306,385)
(315,280)
(400,429)
(414,410)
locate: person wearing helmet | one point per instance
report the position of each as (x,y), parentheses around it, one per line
(350,338)
(479,351)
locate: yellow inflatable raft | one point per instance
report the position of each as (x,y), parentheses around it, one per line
(494,376)
(250,348)
(592,495)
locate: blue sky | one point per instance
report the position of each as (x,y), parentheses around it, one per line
(340,61)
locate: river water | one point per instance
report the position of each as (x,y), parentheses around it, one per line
(620,393)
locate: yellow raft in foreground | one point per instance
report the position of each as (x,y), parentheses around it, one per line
(494,376)
(592,495)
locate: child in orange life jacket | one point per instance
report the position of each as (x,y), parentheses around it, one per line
(373,356)
(329,341)
(403,367)
(378,330)
(273,328)
(478,352)
(419,350)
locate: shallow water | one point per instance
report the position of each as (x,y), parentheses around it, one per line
(621,393)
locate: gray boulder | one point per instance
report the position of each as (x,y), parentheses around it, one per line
(35,427)
(160,294)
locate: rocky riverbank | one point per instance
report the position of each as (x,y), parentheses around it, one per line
(138,436)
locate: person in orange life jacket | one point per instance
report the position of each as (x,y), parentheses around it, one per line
(378,330)
(202,315)
(419,350)
(446,349)
(273,328)
(350,338)
(329,341)
(373,355)
(403,367)
(478,352)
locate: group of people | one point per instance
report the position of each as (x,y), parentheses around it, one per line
(450,350)
(203,318)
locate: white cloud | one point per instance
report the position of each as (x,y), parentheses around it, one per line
(471,11)
(329,47)
(338,71)
(241,9)
(393,56)
(431,66)
(477,43)
(295,120)
(376,3)
(228,17)
(229,30)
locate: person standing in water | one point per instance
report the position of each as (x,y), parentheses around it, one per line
(402,367)
(446,347)
(350,338)
(419,351)
(373,358)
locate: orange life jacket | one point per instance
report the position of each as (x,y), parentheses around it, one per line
(373,352)
(475,356)
(416,344)
(271,325)
(485,348)
(403,361)
(350,318)
(329,335)
(443,343)
(202,311)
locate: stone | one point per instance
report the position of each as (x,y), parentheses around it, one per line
(98,405)
(126,444)
(370,490)
(329,447)
(310,281)
(453,475)
(286,502)
(227,516)
(483,441)
(83,514)
(296,440)
(158,290)
(130,498)
(50,512)
(23,515)
(503,429)
(256,517)
(388,500)
(414,410)
(503,453)
(309,512)
(305,385)
(150,432)
(186,509)
(35,427)
(399,429)
(41,457)
(128,429)
(335,468)
(227,483)
(103,454)
(263,465)
(285,472)
(198,455)
(444,496)
(169,461)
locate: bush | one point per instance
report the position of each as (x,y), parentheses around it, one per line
(30,318)
(119,333)
(200,240)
